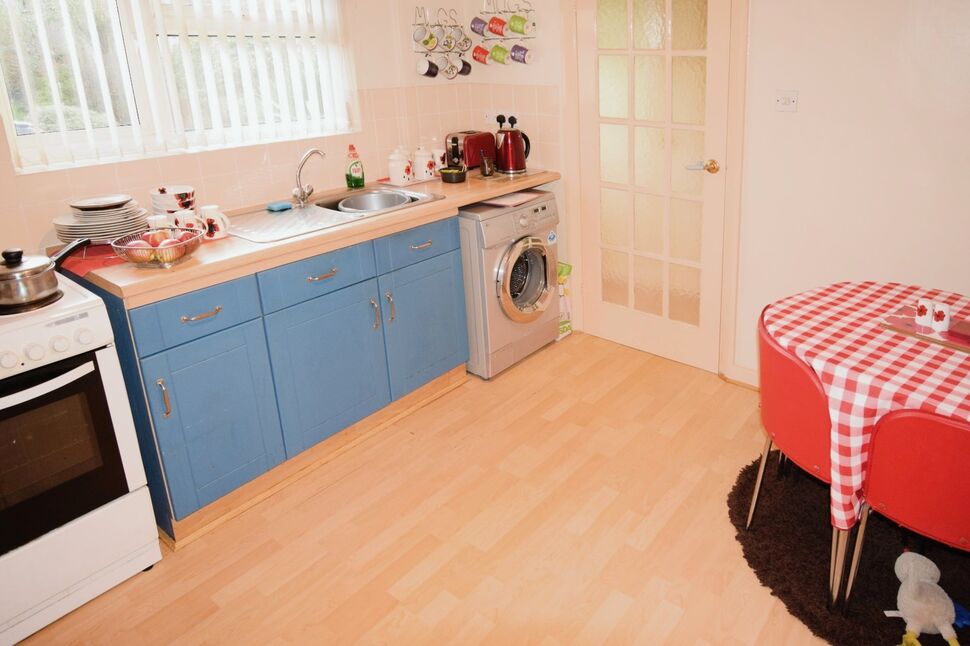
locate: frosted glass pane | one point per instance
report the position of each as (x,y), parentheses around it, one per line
(685,294)
(614,153)
(613,87)
(689,24)
(685,229)
(648,285)
(651,159)
(611,24)
(648,24)
(650,88)
(689,85)
(614,217)
(649,223)
(687,147)
(616,277)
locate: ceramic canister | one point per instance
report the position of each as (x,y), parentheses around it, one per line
(398,170)
(439,154)
(424,165)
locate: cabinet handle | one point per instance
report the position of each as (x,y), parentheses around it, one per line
(165,399)
(390,299)
(377,314)
(423,245)
(317,279)
(204,315)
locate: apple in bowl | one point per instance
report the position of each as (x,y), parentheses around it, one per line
(158,247)
(140,251)
(170,250)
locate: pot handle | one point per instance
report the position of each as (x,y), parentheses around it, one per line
(59,258)
(528,146)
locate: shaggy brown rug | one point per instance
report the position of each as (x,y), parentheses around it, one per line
(788,548)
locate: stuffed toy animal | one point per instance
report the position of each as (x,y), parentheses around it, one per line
(922,604)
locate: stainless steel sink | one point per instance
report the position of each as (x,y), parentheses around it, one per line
(374,200)
(265,226)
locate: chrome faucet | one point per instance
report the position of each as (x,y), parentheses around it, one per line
(303,192)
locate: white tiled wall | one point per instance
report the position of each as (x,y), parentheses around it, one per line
(236,177)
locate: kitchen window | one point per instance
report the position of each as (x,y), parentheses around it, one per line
(87,81)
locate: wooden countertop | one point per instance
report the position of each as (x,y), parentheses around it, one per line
(221,260)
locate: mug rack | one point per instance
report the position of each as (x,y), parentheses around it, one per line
(442,41)
(504,29)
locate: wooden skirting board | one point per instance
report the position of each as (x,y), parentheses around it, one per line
(234,503)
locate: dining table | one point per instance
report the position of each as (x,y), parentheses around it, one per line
(868,370)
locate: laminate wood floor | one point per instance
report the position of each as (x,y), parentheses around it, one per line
(579,498)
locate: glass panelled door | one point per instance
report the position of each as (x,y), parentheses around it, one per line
(653,88)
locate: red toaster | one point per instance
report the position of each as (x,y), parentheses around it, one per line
(466,147)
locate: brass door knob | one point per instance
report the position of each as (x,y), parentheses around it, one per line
(711,166)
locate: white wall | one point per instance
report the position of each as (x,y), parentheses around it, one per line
(868,180)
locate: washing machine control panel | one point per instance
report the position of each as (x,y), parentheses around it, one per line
(529,219)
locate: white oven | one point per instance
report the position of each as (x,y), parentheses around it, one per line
(75,516)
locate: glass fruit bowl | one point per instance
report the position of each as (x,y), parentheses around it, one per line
(158,247)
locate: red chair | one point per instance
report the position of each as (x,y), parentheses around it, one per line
(794,412)
(917,477)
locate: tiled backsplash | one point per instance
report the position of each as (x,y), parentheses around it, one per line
(236,177)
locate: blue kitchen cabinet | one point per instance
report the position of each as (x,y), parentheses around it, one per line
(328,363)
(215,414)
(424,321)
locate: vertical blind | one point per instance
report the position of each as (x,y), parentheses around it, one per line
(98,80)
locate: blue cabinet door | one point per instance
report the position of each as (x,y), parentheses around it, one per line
(424,321)
(218,427)
(328,363)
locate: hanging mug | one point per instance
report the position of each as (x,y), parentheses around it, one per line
(478,25)
(426,67)
(481,55)
(466,67)
(501,55)
(497,26)
(522,25)
(520,54)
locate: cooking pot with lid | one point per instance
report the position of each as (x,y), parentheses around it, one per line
(27,282)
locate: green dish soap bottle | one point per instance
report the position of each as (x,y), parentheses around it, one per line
(355,168)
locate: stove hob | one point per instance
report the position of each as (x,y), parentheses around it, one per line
(7,310)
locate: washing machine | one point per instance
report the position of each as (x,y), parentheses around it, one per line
(511,287)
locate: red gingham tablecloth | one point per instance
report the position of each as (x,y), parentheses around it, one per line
(867,370)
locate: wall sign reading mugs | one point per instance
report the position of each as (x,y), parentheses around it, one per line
(440,38)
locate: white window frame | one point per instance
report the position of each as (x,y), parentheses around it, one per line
(28,151)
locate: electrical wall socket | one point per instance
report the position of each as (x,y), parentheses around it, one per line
(490,115)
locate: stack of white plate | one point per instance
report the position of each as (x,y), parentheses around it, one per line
(102,219)
(172,197)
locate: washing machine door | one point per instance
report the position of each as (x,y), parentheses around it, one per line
(527,279)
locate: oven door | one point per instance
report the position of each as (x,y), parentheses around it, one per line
(59,456)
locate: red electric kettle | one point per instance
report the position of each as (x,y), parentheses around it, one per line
(511,147)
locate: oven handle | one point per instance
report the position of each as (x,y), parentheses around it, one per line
(47,387)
